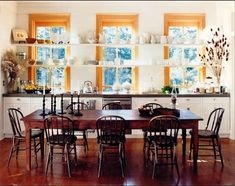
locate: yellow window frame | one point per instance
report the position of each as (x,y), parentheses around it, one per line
(182,19)
(36,20)
(115,20)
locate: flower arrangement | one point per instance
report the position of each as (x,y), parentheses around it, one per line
(12,66)
(216,53)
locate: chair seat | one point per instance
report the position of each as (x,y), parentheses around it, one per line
(58,139)
(162,141)
(204,133)
(112,139)
(34,133)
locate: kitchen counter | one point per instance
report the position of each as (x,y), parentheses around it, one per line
(132,94)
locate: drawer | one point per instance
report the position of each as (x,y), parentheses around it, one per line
(39,100)
(216,100)
(17,100)
(189,100)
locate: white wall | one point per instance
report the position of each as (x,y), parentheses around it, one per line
(7,22)
(83,18)
(225,18)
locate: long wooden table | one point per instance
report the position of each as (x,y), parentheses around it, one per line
(188,120)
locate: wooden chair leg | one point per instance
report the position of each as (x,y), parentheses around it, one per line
(11,152)
(35,151)
(100,160)
(214,149)
(68,159)
(220,152)
(48,160)
(155,162)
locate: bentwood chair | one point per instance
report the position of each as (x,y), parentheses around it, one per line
(145,130)
(209,137)
(37,135)
(111,135)
(112,106)
(60,136)
(81,132)
(163,141)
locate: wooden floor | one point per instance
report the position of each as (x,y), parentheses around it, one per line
(209,171)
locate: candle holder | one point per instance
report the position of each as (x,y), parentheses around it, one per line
(78,113)
(51,111)
(54,110)
(72,112)
(62,105)
(43,107)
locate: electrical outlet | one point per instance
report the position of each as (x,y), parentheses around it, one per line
(3,83)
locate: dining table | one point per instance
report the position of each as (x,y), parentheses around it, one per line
(187,119)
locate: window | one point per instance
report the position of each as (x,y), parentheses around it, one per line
(116,29)
(44,26)
(184,69)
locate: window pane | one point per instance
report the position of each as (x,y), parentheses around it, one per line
(58,53)
(124,54)
(176,75)
(42,76)
(58,30)
(109,54)
(43,32)
(125,74)
(175,54)
(191,55)
(124,33)
(176,33)
(191,75)
(109,76)
(190,32)
(110,34)
(43,53)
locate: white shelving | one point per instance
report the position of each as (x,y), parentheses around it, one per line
(110,45)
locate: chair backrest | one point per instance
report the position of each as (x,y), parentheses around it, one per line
(58,129)
(152,105)
(165,128)
(214,120)
(82,106)
(15,115)
(110,129)
(112,106)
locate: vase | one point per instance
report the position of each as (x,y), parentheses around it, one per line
(12,88)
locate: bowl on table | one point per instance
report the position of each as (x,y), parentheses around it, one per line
(144,111)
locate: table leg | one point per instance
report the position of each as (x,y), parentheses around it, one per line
(28,147)
(195,145)
(184,142)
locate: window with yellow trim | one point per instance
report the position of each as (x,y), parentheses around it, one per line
(184,69)
(116,29)
(56,77)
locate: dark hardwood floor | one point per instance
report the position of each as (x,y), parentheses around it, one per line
(209,172)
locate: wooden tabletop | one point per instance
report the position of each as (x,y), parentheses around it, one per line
(92,115)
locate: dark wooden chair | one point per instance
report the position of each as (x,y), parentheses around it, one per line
(111,135)
(145,130)
(81,132)
(60,135)
(163,141)
(37,135)
(112,106)
(209,137)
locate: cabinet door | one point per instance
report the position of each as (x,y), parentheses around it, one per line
(23,107)
(209,104)
(192,104)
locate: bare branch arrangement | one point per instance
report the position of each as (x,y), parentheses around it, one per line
(216,53)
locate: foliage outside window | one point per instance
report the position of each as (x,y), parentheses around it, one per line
(116,29)
(184,69)
(43,26)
